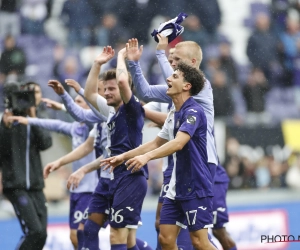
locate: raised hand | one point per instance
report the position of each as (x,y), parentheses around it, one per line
(162,42)
(137,163)
(123,52)
(19,119)
(50,167)
(75,179)
(57,86)
(112,162)
(52,104)
(72,83)
(107,54)
(133,51)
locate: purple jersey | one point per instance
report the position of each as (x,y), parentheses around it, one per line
(125,132)
(158,93)
(191,176)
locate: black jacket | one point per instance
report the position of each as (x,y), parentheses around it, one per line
(13,60)
(20,159)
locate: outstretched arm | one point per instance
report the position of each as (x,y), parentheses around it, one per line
(77,176)
(91,87)
(184,134)
(53,104)
(50,124)
(122,76)
(166,149)
(78,113)
(118,160)
(83,150)
(80,91)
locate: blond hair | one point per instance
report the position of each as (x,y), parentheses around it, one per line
(192,49)
(171,50)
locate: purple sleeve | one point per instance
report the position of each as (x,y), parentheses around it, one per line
(78,113)
(191,122)
(96,112)
(134,109)
(145,91)
(164,64)
(53,125)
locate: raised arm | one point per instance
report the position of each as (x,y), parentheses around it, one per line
(78,113)
(91,87)
(122,76)
(161,56)
(164,64)
(83,150)
(144,90)
(80,91)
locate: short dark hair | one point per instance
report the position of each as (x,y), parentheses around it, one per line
(101,76)
(30,86)
(193,76)
(112,74)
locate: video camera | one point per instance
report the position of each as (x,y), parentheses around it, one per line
(19,97)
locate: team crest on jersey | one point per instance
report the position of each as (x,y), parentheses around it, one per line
(191,119)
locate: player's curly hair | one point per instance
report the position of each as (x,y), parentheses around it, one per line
(112,74)
(193,76)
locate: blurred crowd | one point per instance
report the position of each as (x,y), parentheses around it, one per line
(249,167)
(243,93)
(45,39)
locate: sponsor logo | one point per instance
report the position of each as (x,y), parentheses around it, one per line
(221,209)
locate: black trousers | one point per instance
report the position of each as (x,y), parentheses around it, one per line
(31,210)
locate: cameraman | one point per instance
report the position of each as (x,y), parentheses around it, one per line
(22,175)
